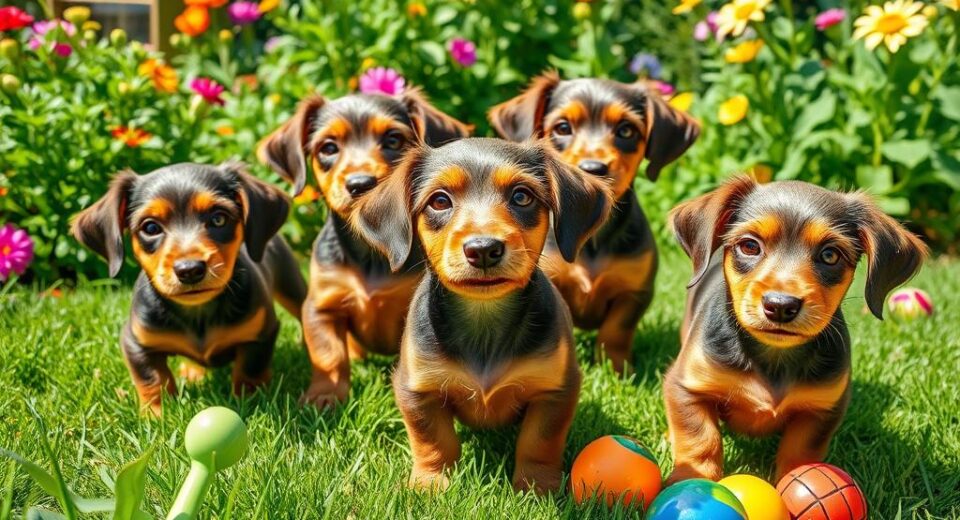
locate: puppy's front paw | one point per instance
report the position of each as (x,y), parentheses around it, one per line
(324,394)
(247,385)
(190,371)
(539,478)
(688,471)
(428,480)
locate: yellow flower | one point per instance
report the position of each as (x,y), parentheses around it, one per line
(268,5)
(682,101)
(91,25)
(744,52)
(686,6)
(891,24)
(163,76)
(951,4)
(76,15)
(415,9)
(353,83)
(274,98)
(732,19)
(733,110)
(367,63)
(225,130)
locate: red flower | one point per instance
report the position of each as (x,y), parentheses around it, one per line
(132,137)
(13,18)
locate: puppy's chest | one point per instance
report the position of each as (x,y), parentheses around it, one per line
(589,284)
(750,403)
(203,343)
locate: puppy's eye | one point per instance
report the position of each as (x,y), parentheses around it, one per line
(562,128)
(830,255)
(329,148)
(151,228)
(748,247)
(440,202)
(522,197)
(393,141)
(218,219)
(626,131)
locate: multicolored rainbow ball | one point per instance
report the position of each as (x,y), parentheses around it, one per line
(909,303)
(696,499)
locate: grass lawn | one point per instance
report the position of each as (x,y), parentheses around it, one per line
(900,439)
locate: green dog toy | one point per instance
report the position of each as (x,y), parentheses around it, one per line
(216,438)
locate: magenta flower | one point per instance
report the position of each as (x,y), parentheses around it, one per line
(382,80)
(243,13)
(208,89)
(41,30)
(463,51)
(701,31)
(16,251)
(829,18)
(663,87)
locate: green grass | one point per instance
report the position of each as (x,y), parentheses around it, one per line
(900,439)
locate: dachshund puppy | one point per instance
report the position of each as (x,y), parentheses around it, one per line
(212,264)
(488,340)
(764,343)
(606,129)
(354,304)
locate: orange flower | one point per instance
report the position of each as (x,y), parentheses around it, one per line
(416,9)
(250,80)
(3,191)
(225,130)
(163,76)
(205,3)
(308,195)
(268,5)
(132,137)
(193,21)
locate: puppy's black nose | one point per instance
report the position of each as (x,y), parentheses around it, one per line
(781,308)
(483,252)
(190,271)
(593,167)
(358,184)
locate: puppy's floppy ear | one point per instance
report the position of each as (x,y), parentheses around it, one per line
(700,224)
(521,118)
(894,254)
(433,127)
(100,227)
(581,203)
(265,209)
(383,215)
(670,132)
(285,149)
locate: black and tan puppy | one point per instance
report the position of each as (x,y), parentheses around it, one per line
(488,340)
(205,238)
(606,129)
(355,304)
(764,343)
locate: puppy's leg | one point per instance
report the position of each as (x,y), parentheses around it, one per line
(190,370)
(433,440)
(618,328)
(694,433)
(325,335)
(251,367)
(149,371)
(542,439)
(806,437)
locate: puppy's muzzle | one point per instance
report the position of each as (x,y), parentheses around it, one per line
(483,252)
(781,308)
(190,271)
(358,184)
(593,167)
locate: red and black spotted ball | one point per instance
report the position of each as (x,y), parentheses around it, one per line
(822,492)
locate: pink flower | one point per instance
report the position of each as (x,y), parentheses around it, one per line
(829,18)
(701,31)
(463,51)
(16,251)
(381,80)
(243,13)
(13,18)
(43,28)
(208,89)
(663,87)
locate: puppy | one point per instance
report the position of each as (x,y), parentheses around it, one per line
(487,340)
(764,343)
(354,304)
(606,129)
(204,237)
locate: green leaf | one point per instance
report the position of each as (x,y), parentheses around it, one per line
(896,206)
(433,52)
(129,487)
(949,102)
(876,179)
(35,513)
(909,153)
(816,113)
(444,14)
(43,479)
